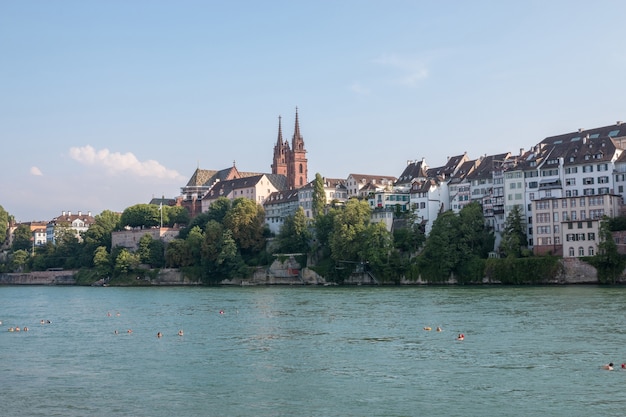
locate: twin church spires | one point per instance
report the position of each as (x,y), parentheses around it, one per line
(290,161)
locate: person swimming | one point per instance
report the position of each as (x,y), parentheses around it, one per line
(180,332)
(439,329)
(461,336)
(159,335)
(608,366)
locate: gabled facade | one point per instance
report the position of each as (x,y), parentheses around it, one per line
(278,206)
(460,187)
(569,226)
(77,223)
(202,181)
(360,185)
(256,188)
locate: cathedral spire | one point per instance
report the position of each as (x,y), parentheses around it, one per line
(297,137)
(280,132)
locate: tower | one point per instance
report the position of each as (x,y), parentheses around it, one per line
(291,161)
(297,170)
(281,151)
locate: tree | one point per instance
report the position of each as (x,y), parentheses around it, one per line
(177,254)
(476,238)
(608,261)
(4,225)
(176,215)
(319,195)
(438,259)
(348,227)
(246,221)
(102,262)
(514,235)
(19,258)
(126,262)
(99,234)
(22,238)
(141,215)
(294,235)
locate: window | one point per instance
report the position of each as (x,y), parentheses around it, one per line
(543,217)
(588,180)
(587,168)
(543,230)
(555,217)
(603,190)
(591,251)
(603,167)
(556,229)
(591,236)
(581,251)
(532,184)
(571,251)
(603,180)
(570,181)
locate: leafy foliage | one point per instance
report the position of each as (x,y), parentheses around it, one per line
(608,261)
(514,236)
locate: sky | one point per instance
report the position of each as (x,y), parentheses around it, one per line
(107,104)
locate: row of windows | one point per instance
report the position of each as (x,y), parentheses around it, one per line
(581,251)
(579,236)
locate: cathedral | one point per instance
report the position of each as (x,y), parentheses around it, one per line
(290,160)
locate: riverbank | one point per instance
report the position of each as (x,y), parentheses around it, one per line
(572,271)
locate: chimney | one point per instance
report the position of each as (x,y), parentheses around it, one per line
(80,213)
(619,122)
(89,213)
(580,129)
(521,151)
(63,213)
(69,213)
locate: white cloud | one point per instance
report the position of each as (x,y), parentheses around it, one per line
(411,71)
(117,163)
(35,171)
(359,89)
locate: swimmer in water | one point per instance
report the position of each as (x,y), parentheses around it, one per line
(180,332)
(461,336)
(439,329)
(608,366)
(159,335)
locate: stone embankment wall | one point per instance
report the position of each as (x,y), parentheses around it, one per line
(573,271)
(39,278)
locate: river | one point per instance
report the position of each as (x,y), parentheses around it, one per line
(312,351)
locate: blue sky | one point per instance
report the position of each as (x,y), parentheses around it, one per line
(105,104)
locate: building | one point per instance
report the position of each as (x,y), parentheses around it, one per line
(291,161)
(77,223)
(569,226)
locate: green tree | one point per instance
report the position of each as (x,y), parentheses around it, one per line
(514,234)
(246,221)
(143,248)
(194,245)
(157,253)
(438,259)
(177,254)
(126,262)
(99,233)
(319,195)
(102,262)
(294,235)
(141,215)
(19,258)
(4,225)
(375,247)
(348,227)
(608,261)
(476,238)
(176,215)
(22,238)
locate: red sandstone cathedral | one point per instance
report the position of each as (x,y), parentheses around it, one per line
(290,161)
